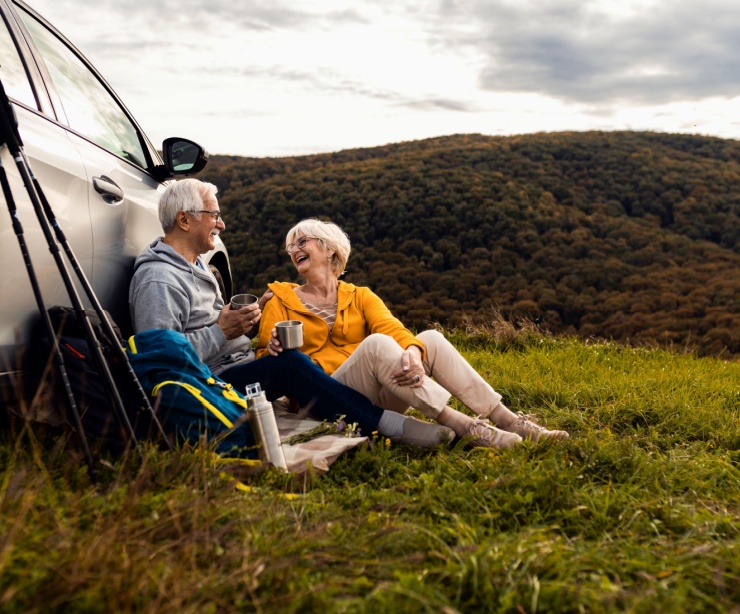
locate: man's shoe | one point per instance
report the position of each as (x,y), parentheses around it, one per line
(526,426)
(485,435)
(424,434)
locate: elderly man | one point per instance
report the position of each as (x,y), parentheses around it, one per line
(173,288)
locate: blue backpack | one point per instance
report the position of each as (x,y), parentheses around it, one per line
(188,399)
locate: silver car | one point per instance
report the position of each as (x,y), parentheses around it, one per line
(98,170)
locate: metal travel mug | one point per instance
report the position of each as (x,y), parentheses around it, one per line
(290,333)
(242,300)
(264,426)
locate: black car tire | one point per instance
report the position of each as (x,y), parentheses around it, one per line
(219,281)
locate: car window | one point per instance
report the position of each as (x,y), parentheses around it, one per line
(12,71)
(89,107)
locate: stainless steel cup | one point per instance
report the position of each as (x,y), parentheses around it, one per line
(242,300)
(290,333)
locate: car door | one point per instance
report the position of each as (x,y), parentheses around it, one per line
(58,165)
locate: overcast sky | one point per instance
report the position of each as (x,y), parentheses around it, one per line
(289,77)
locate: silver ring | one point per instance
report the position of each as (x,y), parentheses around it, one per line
(418,378)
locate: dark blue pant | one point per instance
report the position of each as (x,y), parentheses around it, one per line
(293,374)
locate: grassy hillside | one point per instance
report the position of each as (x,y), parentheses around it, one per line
(628,236)
(639,511)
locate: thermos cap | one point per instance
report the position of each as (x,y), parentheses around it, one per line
(253,390)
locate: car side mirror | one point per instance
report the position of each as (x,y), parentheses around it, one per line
(182,158)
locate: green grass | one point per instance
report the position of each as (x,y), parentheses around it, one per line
(638,512)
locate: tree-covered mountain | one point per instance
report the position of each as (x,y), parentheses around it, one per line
(624,235)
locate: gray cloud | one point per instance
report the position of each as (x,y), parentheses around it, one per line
(331,82)
(250,15)
(670,51)
(324,80)
(439,104)
(174,31)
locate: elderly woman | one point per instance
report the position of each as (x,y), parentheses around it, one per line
(351,334)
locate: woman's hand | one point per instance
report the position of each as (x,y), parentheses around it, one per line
(274,347)
(411,372)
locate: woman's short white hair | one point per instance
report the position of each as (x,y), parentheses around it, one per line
(329,235)
(184,195)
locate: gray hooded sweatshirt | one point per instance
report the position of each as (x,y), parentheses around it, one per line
(169,292)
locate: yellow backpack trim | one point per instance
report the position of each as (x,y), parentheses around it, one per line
(233,395)
(197,394)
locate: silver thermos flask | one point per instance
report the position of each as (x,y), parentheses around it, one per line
(262,420)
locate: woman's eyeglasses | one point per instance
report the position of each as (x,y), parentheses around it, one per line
(299,243)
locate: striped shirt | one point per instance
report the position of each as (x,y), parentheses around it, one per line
(328,314)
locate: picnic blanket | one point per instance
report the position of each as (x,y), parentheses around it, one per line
(321,452)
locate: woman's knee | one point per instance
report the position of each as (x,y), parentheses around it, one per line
(439,350)
(432,338)
(378,342)
(378,349)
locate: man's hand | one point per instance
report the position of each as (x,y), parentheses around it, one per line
(266,297)
(411,372)
(237,322)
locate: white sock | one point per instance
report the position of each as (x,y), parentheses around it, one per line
(411,431)
(391,424)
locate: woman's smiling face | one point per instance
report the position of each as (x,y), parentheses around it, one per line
(313,244)
(306,252)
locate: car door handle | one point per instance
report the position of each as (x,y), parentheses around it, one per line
(107,188)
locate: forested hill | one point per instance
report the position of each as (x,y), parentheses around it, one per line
(624,235)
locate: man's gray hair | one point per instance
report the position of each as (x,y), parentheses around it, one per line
(183,195)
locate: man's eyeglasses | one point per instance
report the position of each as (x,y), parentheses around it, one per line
(216,215)
(299,243)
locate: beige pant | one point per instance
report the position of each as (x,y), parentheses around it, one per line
(369,371)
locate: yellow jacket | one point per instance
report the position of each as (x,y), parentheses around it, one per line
(360,313)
